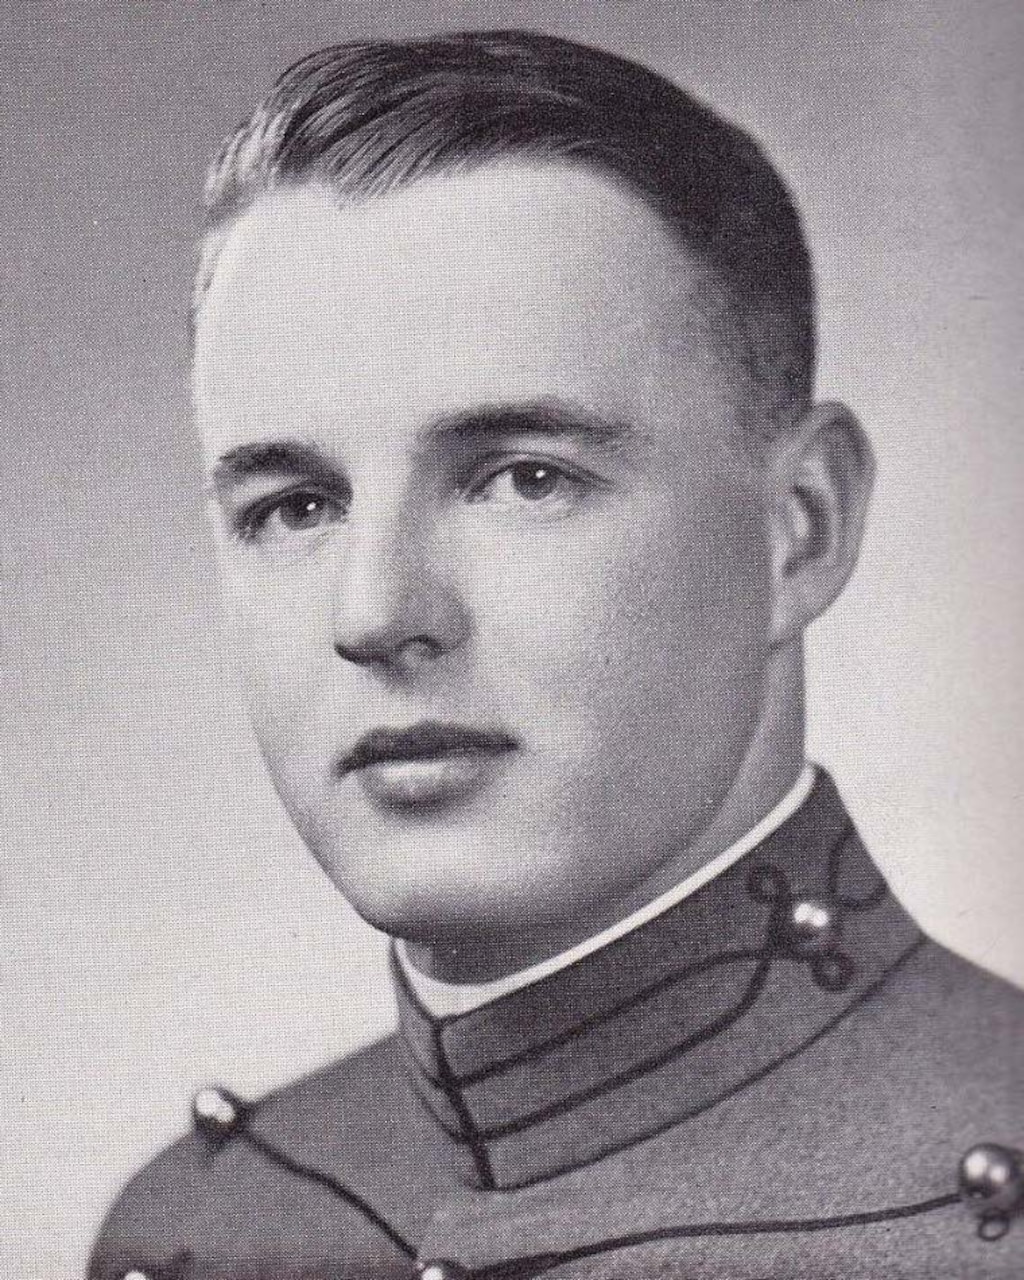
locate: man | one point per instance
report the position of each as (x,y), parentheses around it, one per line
(503,366)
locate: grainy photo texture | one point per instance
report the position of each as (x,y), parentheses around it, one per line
(513,743)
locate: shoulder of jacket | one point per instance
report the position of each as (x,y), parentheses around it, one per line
(144,1220)
(975,1019)
(144,1231)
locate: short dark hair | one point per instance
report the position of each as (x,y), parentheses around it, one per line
(366,118)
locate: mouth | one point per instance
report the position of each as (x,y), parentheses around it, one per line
(427,765)
(428,740)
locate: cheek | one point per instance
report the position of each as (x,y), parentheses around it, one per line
(276,628)
(630,622)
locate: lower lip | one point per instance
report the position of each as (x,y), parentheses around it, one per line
(429,784)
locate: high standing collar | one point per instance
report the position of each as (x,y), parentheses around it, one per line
(669,1019)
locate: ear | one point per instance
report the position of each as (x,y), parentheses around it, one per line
(821,475)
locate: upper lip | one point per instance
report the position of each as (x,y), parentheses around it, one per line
(428,740)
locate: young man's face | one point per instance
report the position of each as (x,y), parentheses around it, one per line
(494,558)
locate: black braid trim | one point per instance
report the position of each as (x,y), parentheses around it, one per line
(336,1188)
(621,1078)
(527,1268)
(538,1050)
(469,1133)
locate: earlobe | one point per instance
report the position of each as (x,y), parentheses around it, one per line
(823,474)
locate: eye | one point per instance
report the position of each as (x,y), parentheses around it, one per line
(301,511)
(534,480)
(529,482)
(289,515)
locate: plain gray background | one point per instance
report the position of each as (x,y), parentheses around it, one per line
(161,925)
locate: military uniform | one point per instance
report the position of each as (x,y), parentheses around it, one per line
(778,1077)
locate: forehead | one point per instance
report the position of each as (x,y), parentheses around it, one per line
(508,283)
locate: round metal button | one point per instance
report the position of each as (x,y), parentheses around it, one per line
(217,1113)
(811,926)
(992,1179)
(443,1269)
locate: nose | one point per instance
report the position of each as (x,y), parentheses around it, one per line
(397,609)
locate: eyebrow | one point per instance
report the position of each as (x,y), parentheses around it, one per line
(552,417)
(273,458)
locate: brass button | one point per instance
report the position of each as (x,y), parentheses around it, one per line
(992,1186)
(217,1114)
(811,927)
(442,1269)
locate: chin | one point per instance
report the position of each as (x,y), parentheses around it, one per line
(425,915)
(438,888)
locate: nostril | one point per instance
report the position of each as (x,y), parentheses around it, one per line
(418,648)
(361,655)
(407,653)
(365,654)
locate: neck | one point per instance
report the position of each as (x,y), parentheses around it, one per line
(769,768)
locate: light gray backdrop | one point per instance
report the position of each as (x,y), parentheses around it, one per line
(161,925)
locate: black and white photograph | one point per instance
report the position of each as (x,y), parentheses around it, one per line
(512,630)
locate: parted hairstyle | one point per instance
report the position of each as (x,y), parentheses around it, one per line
(369,117)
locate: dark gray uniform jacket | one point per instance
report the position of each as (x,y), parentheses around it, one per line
(776,1078)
